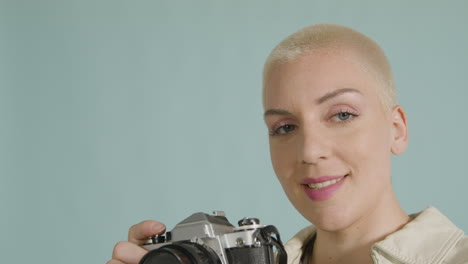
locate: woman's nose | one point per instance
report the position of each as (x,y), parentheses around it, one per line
(313,148)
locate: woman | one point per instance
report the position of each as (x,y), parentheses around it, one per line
(333,122)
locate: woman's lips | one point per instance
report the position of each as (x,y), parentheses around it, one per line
(321,179)
(322,188)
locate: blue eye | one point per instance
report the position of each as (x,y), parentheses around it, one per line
(283,130)
(344,116)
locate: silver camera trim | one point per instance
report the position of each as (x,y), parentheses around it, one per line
(231,237)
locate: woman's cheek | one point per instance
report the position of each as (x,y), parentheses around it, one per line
(282,160)
(367,153)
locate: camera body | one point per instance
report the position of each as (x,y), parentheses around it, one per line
(204,238)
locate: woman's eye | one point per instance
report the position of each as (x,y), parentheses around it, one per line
(283,130)
(344,116)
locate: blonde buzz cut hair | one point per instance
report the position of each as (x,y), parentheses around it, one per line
(337,39)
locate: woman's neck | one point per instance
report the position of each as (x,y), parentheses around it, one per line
(353,244)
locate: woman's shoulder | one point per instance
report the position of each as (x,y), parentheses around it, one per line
(429,238)
(459,253)
(295,246)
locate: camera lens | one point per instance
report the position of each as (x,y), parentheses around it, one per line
(181,253)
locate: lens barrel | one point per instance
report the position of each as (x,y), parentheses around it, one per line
(183,252)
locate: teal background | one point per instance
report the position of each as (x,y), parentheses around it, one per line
(113,112)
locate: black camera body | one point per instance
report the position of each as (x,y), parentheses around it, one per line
(211,239)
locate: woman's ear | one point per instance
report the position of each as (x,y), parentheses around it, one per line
(399,130)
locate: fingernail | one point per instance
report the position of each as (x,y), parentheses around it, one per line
(157,227)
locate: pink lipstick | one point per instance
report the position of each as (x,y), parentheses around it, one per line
(322,188)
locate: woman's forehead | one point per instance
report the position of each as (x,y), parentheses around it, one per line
(316,74)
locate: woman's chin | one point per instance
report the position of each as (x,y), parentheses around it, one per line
(329,219)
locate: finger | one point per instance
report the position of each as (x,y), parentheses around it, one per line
(139,233)
(114,261)
(127,253)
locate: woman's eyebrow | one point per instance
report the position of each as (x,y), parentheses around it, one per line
(335,93)
(320,100)
(276,112)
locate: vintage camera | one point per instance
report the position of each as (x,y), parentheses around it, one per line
(211,239)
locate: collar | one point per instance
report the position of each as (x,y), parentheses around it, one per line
(426,239)
(295,246)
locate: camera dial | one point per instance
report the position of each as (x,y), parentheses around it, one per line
(211,239)
(248,224)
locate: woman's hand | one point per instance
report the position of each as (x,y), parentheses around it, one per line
(131,252)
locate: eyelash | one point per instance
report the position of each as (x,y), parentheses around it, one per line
(281,125)
(274,132)
(352,115)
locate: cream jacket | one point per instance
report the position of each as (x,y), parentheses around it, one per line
(429,238)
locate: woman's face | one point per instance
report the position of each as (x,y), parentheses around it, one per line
(330,138)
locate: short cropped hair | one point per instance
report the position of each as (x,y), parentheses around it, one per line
(336,38)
